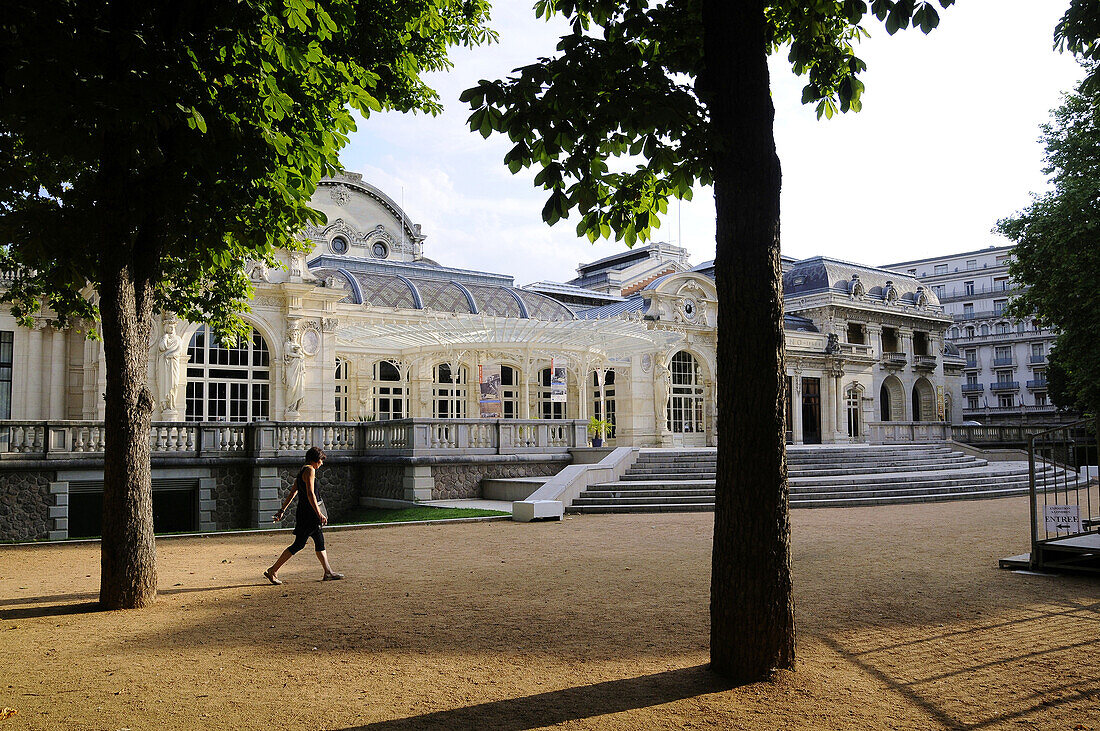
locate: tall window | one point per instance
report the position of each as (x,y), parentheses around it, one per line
(608,400)
(510,392)
(391,393)
(7,352)
(228,382)
(342,390)
(685,408)
(548,408)
(852,399)
(449,393)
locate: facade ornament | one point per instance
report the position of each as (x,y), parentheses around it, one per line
(257,272)
(922,298)
(170,351)
(294,372)
(890,293)
(328,324)
(340,194)
(832,346)
(855,288)
(662,389)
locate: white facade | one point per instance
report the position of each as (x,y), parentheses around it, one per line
(1005,371)
(364,327)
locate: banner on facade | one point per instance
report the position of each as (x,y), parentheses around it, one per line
(558,391)
(491,400)
(941,405)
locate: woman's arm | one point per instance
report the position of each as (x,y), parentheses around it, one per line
(311,495)
(282,510)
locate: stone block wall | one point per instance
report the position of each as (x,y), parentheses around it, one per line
(25,502)
(456,481)
(337,484)
(383,481)
(232,496)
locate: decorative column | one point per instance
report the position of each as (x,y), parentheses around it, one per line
(841,398)
(58,388)
(33,400)
(796,407)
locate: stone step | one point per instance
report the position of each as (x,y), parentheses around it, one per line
(908,499)
(667,492)
(642,500)
(974,475)
(648,508)
(672,476)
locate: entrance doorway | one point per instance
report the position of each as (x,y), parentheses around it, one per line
(811,410)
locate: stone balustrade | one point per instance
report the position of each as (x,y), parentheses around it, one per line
(893,432)
(405,437)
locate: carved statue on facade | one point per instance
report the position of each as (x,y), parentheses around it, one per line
(662,389)
(294,372)
(170,352)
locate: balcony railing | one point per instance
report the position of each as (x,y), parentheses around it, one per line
(973,387)
(973,364)
(1004,386)
(1039,383)
(1037,359)
(894,360)
(1000,362)
(924,362)
(956,294)
(403,437)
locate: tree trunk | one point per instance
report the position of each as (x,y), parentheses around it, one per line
(128,557)
(752,607)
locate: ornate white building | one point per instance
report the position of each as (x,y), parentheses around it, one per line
(364,327)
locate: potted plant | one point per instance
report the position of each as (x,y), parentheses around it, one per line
(598,428)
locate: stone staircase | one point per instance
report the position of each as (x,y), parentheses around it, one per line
(666,480)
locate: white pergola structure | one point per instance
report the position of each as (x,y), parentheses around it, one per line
(416,343)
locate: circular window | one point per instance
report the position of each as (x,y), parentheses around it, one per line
(340,245)
(379,250)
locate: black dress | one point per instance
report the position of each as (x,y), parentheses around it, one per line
(305,517)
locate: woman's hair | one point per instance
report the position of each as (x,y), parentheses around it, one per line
(315,454)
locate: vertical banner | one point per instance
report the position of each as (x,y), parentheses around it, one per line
(491,400)
(558,392)
(941,406)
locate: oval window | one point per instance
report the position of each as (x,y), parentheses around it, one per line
(379,250)
(340,245)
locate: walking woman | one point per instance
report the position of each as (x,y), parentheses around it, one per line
(307,520)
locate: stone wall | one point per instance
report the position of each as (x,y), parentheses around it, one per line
(455,481)
(336,484)
(383,481)
(25,503)
(232,495)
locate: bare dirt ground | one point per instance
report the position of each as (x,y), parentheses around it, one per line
(595,622)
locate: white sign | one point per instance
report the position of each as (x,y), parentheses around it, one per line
(1062,518)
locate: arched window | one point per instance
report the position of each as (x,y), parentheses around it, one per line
(391,392)
(228,382)
(608,400)
(969,332)
(852,401)
(891,397)
(884,402)
(550,404)
(924,401)
(342,390)
(685,403)
(449,392)
(985,330)
(954,333)
(1002,328)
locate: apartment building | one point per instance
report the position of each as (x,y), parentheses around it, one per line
(1004,380)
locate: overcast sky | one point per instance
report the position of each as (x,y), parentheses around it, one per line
(945,145)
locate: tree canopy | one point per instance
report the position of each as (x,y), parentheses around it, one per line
(148,149)
(200,128)
(1057,254)
(643,100)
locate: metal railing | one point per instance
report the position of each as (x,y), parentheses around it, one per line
(410,437)
(1004,386)
(973,387)
(926,362)
(1065,497)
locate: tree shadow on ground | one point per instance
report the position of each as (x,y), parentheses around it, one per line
(36,609)
(568,704)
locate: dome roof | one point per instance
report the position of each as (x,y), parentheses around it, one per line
(443,295)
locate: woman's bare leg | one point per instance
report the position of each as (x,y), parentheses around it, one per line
(322,556)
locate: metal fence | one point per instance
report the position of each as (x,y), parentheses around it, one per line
(1065,497)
